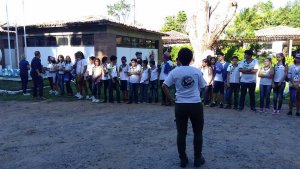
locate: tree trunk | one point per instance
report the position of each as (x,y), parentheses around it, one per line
(207,24)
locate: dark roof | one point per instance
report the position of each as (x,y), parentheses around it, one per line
(5,31)
(98,20)
(174,37)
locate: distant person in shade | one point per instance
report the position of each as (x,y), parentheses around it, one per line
(188,82)
(37,76)
(24,67)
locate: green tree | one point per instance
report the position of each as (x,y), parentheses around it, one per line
(176,23)
(119,10)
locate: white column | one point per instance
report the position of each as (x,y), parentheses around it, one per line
(290,47)
(8,37)
(17,46)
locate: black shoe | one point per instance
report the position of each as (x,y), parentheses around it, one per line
(297,114)
(104,101)
(290,113)
(198,162)
(221,105)
(253,109)
(236,108)
(213,105)
(184,162)
(241,109)
(228,107)
(136,102)
(129,103)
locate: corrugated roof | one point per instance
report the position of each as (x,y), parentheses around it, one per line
(90,19)
(278,31)
(174,37)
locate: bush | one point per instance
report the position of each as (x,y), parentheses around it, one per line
(175,49)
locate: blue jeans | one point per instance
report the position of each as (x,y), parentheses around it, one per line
(60,81)
(265,91)
(244,88)
(133,87)
(278,95)
(144,92)
(24,79)
(96,89)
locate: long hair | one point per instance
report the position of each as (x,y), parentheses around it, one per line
(283,58)
(68,61)
(60,59)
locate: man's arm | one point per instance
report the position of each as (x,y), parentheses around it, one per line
(167,93)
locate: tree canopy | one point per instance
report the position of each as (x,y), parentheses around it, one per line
(176,23)
(263,15)
(119,10)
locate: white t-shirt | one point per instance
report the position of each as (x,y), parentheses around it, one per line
(264,80)
(134,78)
(124,72)
(248,78)
(154,74)
(51,68)
(188,82)
(279,73)
(294,73)
(61,65)
(112,70)
(68,66)
(96,71)
(89,69)
(145,76)
(234,73)
(105,76)
(162,75)
(80,66)
(205,72)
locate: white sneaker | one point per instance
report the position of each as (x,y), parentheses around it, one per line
(26,94)
(87,97)
(80,97)
(97,101)
(77,95)
(56,93)
(92,98)
(51,92)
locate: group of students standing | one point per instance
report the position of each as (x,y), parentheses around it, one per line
(237,78)
(137,81)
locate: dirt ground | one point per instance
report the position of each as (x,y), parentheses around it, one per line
(80,134)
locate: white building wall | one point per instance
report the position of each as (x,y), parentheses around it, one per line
(277,46)
(13,58)
(130,53)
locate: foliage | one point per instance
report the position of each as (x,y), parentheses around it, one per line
(263,15)
(119,10)
(176,23)
(175,49)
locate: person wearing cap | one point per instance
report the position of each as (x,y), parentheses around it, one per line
(248,68)
(123,69)
(188,82)
(165,69)
(24,67)
(294,79)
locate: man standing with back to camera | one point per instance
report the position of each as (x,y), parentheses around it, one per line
(188,82)
(37,77)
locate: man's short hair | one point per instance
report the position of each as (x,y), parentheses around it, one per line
(145,62)
(221,53)
(113,58)
(249,52)
(37,53)
(185,56)
(234,57)
(104,59)
(152,62)
(135,60)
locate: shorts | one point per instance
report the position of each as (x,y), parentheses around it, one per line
(218,87)
(123,86)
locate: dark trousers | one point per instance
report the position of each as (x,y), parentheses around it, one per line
(194,112)
(60,81)
(264,91)
(233,89)
(144,92)
(105,87)
(96,89)
(164,99)
(38,86)
(133,87)
(251,88)
(90,83)
(278,95)
(24,80)
(69,88)
(112,87)
(50,79)
(153,91)
(207,94)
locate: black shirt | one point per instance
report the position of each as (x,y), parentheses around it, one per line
(36,64)
(23,67)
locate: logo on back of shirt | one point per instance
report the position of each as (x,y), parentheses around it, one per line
(187,82)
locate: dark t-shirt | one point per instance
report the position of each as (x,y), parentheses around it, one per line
(23,67)
(36,64)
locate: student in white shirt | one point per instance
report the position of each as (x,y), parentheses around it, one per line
(51,73)
(153,82)
(114,83)
(248,69)
(60,74)
(134,80)
(81,67)
(68,76)
(233,83)
(105,77)
(207,72)
(96,80)
(188,82)
(123,69)
(280,74)
(266,74)
(88,74)
(144,83)
(165,69)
